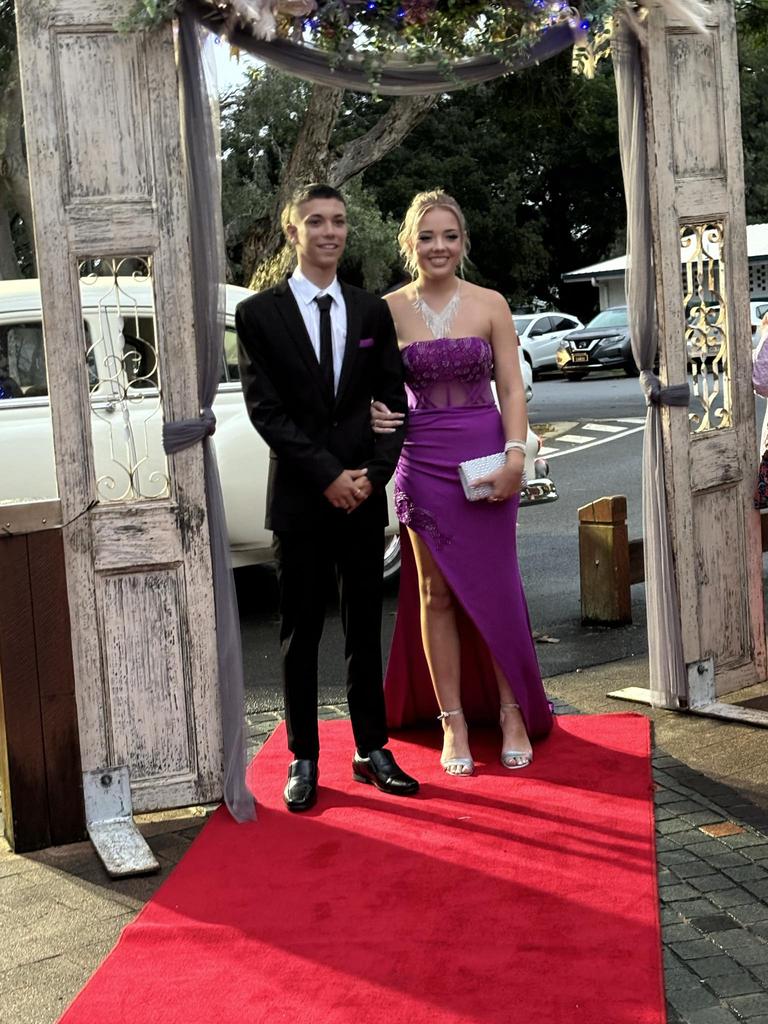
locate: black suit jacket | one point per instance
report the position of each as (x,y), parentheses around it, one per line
(312,440)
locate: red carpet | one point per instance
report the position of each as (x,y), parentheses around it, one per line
(509,896)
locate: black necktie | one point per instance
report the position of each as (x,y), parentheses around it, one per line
(326,343)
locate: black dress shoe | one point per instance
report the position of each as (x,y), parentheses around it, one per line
(381,770)
(300,791)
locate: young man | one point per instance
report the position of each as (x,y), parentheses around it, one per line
(314,352)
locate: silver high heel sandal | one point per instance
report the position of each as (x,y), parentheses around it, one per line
(513,758)
(455,765)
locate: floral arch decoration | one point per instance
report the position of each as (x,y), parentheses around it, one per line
(411,47)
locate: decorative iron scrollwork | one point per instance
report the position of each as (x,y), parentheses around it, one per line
(706,324)
(126,400)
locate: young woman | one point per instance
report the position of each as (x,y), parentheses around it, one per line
(462,634)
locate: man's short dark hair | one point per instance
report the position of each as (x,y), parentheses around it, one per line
(303,194)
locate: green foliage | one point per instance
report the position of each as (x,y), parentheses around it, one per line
(259,128)
(753,63)
(7,37)
(533,161)
(444,30)
(371,252)
(259,131)
(147,14)
(414,30)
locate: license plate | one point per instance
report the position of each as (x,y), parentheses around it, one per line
(581,357)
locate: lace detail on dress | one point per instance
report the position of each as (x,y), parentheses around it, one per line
(443,373)
(419,519)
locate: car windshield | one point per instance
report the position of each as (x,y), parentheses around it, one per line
(521,322)
(610,318)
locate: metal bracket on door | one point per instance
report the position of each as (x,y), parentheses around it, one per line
(701,682)
(109,819)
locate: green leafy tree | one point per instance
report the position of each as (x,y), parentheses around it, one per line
(533,160)
(279,132)
(16,241)
(752,18)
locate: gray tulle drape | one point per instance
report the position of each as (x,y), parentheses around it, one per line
(665,643)
(207,247)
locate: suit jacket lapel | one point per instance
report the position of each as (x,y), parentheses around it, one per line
(354,324)
(297,331)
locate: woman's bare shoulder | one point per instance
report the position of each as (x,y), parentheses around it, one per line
(400,296)
(485,295)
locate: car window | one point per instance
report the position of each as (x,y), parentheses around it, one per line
(563,323)
(140,351)
(760,311)
(616,317)
(22,360)
(521,322)
(542,326)
(230,370)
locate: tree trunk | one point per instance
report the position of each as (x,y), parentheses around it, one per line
(266,257)
(15,198)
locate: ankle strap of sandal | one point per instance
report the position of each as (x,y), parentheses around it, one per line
(449,714)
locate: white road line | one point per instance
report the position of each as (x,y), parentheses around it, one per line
(631,419)
(593,444)
(575,438)
(546,451)
(603,428)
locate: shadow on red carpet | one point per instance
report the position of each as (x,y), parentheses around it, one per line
(526,895)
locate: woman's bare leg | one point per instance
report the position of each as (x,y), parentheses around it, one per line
(440,637)
(514,734)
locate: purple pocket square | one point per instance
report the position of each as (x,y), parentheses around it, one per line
(365,343)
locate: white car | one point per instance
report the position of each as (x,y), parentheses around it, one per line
(126,420)
(540,336)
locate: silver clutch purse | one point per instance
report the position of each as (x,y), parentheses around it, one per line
(475,469)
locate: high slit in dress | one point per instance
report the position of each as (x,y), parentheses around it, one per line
(452,417)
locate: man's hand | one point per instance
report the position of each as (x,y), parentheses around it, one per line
(383,420)
(349,489)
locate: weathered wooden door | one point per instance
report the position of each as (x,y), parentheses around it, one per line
(102,123)
(697,193)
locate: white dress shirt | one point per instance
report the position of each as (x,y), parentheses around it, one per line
(305,293)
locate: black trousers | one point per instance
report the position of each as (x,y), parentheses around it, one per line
(354,549)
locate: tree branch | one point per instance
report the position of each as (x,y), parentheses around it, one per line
(387,134)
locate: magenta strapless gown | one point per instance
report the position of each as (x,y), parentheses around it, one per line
(452,417)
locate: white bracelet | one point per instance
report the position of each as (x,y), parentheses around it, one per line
(511,446)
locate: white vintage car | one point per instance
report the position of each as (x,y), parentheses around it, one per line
(122,366)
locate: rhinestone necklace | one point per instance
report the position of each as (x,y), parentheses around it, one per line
(440,323)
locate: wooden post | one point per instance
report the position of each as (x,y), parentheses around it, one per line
(40,776)
(604,562)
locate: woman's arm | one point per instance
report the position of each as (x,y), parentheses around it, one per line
(511,395)
(506,361)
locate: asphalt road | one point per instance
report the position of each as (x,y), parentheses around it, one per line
(593,433)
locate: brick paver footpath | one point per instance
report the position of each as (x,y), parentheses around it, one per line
(61,915)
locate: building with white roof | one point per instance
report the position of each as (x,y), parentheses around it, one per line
(608,276)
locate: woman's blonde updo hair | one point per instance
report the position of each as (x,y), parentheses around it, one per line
(421,204)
